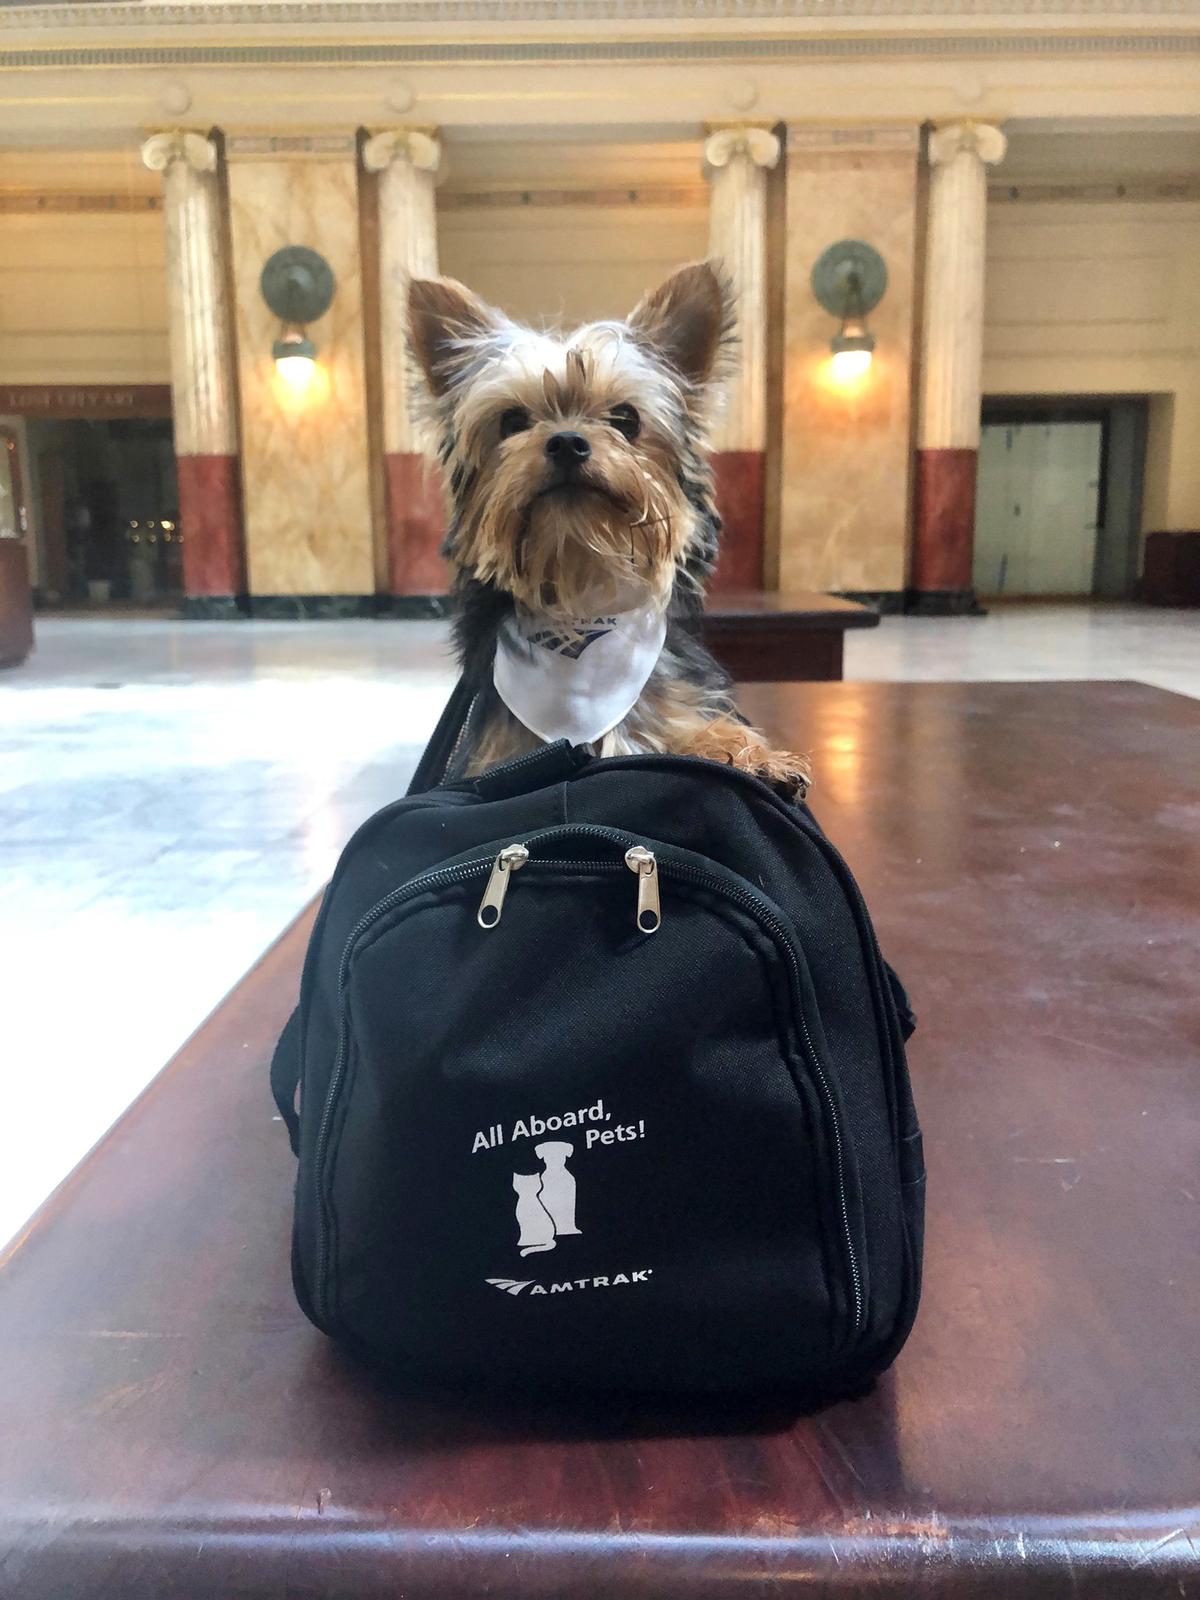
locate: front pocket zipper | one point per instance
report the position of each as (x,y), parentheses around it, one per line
(511,859)
(649,911)
(498,869)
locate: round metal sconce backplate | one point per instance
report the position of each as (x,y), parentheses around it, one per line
(298,284)
(835,272)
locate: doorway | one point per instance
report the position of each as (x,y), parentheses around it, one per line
(109,508)
(1058,499)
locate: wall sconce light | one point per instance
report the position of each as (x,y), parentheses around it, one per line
(849,279)
(298,286)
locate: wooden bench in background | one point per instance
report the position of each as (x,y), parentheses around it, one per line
(16,604)
(171,1426)
(1171,569)
(760,637)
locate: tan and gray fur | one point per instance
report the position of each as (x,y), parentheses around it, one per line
(629,519)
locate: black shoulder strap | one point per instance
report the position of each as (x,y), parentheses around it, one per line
(443,741)
(431,769)
(285,1075)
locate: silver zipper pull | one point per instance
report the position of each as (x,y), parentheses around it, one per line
(511,859)
(649,912)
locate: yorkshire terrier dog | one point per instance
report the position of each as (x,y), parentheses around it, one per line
(583,524)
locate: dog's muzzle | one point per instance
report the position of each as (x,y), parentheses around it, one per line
(568,454)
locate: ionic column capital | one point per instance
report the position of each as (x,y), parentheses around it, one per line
(982,139)
(179,144)
(758,144)
(421,149)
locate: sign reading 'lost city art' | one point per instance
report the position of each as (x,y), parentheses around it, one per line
(101,401)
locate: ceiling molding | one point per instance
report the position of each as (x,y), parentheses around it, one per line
(1134,190)
(1157,190)
(644,195)
(342,13)
(800,138)
(290,147)
(27,202)
(70,19)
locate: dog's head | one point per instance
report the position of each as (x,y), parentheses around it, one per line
(576,463)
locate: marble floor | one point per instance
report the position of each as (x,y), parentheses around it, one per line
(1146,643)
(171,795)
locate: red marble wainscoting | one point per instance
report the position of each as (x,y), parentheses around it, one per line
(740,477)
(416,524)
(944,521)
(210,516)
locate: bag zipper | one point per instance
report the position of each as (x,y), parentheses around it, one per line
(511,859)
(445,877)
(649,910)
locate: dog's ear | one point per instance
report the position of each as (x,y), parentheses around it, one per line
(688,319)
(443,317)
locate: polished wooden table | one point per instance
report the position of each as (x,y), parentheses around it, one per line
(170,1426)
(762,637)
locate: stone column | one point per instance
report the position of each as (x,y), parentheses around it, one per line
(736,161)
(951,367)
(407,162)
(202,373)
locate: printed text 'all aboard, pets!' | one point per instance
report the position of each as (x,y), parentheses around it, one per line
(537,1127)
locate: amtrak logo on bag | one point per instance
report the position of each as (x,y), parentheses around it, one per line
(570,1285)
(544,1212)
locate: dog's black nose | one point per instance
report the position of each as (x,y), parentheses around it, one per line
(567,450)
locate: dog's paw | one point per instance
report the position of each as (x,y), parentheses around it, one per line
(792,774)
(724,739)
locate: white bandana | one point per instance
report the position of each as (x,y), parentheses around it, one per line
(576,683)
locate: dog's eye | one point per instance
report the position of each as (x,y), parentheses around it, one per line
(515,420)
(625,420)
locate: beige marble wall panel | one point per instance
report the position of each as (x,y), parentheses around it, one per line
(304,453)
(844,495)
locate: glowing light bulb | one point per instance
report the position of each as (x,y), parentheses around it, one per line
(296,371)
(295,360)
(851,364)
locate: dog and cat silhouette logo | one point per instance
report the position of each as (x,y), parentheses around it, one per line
(545,1214)
(546,1199)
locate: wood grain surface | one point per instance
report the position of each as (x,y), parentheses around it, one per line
(171,1426)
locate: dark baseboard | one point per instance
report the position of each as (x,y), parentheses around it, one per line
(213,608)
(943,603)
(888,602)
(311,607)
(414,607)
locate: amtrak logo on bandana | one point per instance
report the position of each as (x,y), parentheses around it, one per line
(577,682)
(574,644)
